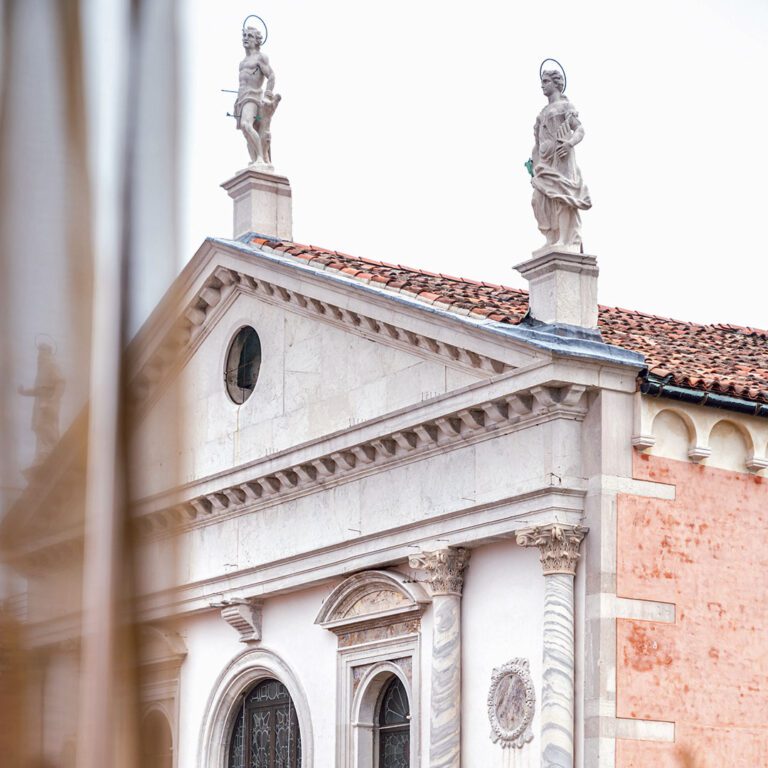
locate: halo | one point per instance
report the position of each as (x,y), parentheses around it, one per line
(45,337)
(264,23)
(562,69)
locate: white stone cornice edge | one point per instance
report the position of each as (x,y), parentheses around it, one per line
(222,287)
(472,424)
(316,467)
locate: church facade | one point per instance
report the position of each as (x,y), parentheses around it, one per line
(387,518)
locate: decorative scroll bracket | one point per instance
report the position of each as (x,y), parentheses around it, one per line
(244,614)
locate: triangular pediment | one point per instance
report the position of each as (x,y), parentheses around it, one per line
(337,355)
(221,270)
(332,356)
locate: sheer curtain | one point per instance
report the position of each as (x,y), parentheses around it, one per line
(89,136)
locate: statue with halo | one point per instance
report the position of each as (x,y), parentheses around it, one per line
(559,192)
(255,105)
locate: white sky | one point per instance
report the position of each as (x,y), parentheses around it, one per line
(404,127)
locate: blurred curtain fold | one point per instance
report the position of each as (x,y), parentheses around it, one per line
(89,131)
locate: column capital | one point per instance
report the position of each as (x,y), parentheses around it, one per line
(444,568)
(558,544)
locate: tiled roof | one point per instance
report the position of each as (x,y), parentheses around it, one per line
(724,359)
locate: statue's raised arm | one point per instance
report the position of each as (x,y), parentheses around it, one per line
(559,192)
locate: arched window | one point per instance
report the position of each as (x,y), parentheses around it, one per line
(394,726)
(266,733)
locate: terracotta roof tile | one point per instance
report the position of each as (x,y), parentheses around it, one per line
(723,358)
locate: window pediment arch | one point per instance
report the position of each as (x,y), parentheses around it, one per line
(372,598)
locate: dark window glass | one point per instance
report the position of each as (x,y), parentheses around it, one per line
(266,733)
(394,726)
(243,363)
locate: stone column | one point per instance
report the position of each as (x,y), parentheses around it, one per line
(559,547)
(445,569)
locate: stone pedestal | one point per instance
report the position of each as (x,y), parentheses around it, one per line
(563,287)
(445,569)
(559,547)
(262,202)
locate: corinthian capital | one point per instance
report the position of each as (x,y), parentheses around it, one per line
(444,567)
(558,544)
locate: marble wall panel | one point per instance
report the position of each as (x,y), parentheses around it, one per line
(502,614)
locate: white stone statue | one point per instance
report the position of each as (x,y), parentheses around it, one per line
(48,389)
(559,192)
(255,106)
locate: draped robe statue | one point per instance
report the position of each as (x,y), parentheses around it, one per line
(559,192)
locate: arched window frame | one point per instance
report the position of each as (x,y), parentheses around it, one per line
(161,710)
(161,654)
(368,647)
(365,708)
(241,674)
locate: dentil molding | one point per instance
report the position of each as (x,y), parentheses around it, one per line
(220,289)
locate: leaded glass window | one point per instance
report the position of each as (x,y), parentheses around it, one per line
(394,726)
(266,733)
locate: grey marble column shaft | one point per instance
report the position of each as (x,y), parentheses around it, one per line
(445,714)
(445,569)
(557,692)
(559,548)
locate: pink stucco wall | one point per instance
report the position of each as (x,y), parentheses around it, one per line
(706,552)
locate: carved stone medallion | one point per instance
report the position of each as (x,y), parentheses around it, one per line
(511,701)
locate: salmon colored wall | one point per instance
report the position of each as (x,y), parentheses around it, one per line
(707,552)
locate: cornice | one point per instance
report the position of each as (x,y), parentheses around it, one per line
(535,503)
(387,449)
(223,286)
(420,440)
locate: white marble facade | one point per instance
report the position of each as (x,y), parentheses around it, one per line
(370,514)
(364,451)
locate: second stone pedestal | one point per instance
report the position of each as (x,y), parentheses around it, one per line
(563,287)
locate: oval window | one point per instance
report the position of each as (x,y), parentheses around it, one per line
(243,363)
